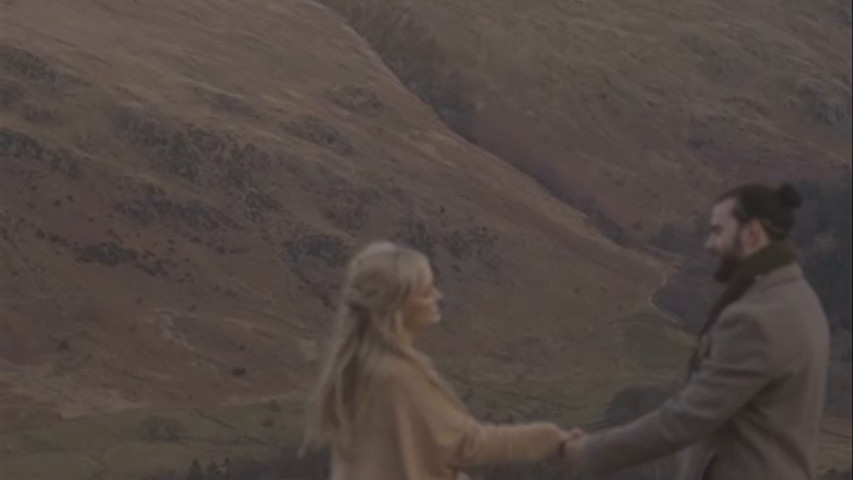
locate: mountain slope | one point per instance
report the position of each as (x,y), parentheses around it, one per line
(180,193)
(182,183)
(637,112)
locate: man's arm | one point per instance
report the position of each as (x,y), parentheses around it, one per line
(738,367)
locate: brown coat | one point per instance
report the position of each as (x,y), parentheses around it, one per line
(412,430)
(751,409)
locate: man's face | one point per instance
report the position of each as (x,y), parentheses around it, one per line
(725,240)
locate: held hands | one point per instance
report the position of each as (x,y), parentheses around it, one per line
(573,450)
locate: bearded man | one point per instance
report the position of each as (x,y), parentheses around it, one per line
(752,403)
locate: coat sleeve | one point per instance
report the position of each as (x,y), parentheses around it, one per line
(740,364)
(447,435)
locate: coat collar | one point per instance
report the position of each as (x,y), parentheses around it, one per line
(777,277)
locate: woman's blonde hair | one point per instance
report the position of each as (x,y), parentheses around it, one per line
(369,325)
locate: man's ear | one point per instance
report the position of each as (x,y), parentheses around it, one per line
(757,236)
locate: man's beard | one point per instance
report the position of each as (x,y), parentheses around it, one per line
(726,267)
(728,263)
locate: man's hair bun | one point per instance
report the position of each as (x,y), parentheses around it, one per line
(789,196)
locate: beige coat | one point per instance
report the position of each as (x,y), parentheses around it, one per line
(751,409)
(411,430)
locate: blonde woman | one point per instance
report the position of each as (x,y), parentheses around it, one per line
(380,406)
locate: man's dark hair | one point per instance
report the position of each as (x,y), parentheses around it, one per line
(772,207)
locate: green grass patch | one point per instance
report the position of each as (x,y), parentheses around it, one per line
(654,344)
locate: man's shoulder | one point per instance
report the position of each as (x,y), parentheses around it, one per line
(784,316)
(783,286)
(741,318)
(783,298)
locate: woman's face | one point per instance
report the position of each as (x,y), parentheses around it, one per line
(421,309)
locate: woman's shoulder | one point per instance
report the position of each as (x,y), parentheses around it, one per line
(396,369)
(408,381)
(414,375)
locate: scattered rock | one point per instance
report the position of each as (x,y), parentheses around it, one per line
(108,253)
(415,234)
(320,133)
(356,99)
(326,248)
(17,145)
(10,92)
(22,62)
(162,429)
(474,242)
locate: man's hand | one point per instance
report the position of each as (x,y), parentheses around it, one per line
(574,450)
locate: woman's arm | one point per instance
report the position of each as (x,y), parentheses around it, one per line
(442,427)
(483,444)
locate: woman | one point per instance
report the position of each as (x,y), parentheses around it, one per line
(380,405)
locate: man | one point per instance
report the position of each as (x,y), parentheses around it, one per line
(752,403)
